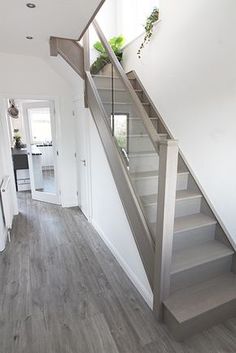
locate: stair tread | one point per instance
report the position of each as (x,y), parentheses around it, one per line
(123,103)
(107,76)
(190,302)
(144,135)
(109,89)
(148,174)
(193,221)
(199,254)
(137,118)
(117,103)
(187,194)
(180,195)
(143,153)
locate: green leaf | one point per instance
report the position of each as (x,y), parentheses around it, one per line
(116,44)
(99,47)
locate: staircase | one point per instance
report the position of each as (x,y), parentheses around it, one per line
(202,258)
(187,254)
(203,280)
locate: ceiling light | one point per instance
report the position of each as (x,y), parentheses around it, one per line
(29,37)
(31,5)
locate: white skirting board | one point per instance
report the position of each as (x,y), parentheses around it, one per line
(136,282)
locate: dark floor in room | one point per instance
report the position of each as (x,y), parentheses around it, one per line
(62,291)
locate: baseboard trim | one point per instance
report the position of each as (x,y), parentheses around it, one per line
(134,279)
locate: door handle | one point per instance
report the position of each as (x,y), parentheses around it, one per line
(84,162)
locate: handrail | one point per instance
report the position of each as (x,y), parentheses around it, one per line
(155,138)
(136,219)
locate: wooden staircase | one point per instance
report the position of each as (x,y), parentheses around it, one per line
(203,280)
(187,254)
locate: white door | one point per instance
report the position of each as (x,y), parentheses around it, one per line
(42,153)
(83,160)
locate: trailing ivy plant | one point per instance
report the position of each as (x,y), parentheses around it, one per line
(117,44)
(149,29)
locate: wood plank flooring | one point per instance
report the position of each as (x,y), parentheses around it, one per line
(62,291)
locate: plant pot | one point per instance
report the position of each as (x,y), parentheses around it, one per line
(106,70)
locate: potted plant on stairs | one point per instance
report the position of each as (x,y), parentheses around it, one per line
(102,64)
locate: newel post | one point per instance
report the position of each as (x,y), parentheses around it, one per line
(53,42)
(168,161)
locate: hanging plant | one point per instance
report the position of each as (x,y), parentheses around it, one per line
(116,43)
(151,20)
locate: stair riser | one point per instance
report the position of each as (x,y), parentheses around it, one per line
(137,127)
(197,274)
(128,109)
(138,144)
(193,237)
(147,186)
(143,163)
(141,96)
(148,109)
(118,96)
(105,82)
(182,208)
(187,207)
(203,321)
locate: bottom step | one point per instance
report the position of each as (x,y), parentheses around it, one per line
(196,308)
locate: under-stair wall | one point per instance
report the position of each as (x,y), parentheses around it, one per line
(110,220)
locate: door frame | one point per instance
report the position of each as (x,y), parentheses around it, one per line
(57,115)
(41,195)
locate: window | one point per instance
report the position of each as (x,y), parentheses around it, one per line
(40,125)
(119,125)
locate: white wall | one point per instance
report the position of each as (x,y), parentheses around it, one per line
(108,19)
(122,17)
(189,70)
(131,16)
(31,77)
(109,219)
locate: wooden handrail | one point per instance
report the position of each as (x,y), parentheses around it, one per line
(154,137)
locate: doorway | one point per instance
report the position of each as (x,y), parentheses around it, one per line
(42,155)
(35,157)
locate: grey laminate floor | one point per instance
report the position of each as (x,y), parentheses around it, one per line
(62,291)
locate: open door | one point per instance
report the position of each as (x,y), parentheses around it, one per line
(42,153)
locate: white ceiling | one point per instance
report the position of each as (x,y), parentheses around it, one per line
(61,18)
